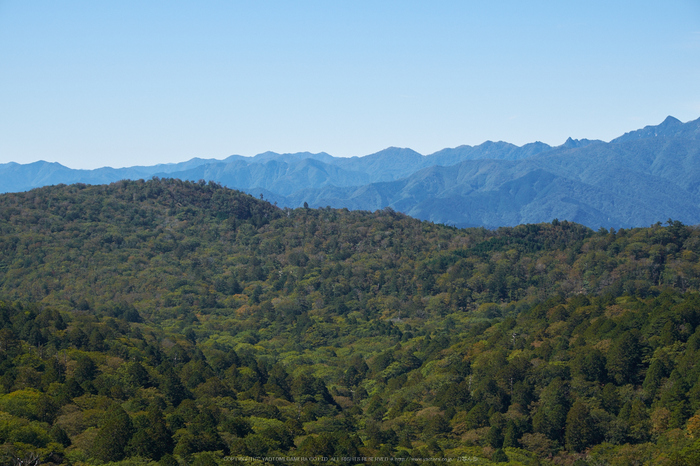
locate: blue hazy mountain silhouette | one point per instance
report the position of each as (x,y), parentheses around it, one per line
(637,179)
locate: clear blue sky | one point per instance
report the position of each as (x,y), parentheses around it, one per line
(120,83)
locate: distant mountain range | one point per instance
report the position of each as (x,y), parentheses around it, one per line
(638,179)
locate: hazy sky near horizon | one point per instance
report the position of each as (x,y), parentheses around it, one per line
(91,84)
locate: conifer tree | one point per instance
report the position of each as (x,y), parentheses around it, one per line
(624,358)
(114,435)
(580,428)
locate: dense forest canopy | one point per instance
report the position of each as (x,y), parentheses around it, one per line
(186,323)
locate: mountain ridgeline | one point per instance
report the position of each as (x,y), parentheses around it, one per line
(168,322)
(638,179)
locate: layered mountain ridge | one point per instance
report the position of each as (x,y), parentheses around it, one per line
(637,179)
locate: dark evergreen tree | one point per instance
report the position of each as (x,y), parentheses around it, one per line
(624,358)
(500,456)
(113,436)
(580,428)
(550,417)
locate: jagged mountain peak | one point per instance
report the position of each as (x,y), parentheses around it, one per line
(571,143)
(670,121)
(667,128)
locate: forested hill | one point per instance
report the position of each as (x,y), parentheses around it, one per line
(173,321)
